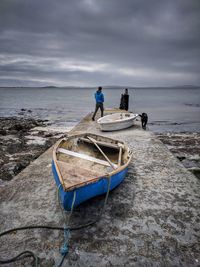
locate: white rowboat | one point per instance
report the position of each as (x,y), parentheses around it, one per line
(117,121)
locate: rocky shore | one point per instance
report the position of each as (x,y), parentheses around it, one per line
(186,147)
(23,139)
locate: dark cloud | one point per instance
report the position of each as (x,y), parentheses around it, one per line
(89,42)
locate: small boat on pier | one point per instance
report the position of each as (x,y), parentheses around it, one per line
(88,165)
(117,121)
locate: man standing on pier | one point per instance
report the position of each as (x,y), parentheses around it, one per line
(124,100)
(99,102)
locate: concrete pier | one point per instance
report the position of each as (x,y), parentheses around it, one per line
(151,219)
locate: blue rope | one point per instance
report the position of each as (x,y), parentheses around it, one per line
(64,248)
(65,229)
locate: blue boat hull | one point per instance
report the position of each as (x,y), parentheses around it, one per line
(87,191)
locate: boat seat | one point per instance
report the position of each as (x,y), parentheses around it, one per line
(101,143)
(84,156)
(75,176)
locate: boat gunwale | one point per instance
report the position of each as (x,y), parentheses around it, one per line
(106,175)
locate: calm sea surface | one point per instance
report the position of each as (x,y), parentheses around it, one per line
(169,110)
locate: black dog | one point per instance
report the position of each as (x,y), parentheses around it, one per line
(144,120)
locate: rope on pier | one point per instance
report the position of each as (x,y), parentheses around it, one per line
(65,229)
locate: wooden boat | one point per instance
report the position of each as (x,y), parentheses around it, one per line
(87,165)
(117,121)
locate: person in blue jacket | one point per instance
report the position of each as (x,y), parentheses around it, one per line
(99,102)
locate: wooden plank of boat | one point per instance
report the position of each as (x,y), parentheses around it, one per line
(101,143)
(74,176)
(120,157)
(84,156)
(94,142)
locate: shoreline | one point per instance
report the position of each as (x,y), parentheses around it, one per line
(185,147)
(23,139)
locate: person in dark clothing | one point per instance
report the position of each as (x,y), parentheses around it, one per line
(144,120)
(99,97)
(121,106)
(124,100)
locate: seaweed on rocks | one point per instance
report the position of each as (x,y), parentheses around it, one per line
(21,142)
(186,147)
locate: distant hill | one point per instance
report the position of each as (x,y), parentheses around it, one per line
(50,86)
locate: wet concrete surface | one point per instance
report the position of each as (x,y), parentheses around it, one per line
(151,219)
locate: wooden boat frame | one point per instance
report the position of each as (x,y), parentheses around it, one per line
(116,169)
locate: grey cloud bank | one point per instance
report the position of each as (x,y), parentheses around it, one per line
(91,42)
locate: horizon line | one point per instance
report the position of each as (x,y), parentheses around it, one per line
(105,86)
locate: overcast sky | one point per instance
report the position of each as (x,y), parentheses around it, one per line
(99,42)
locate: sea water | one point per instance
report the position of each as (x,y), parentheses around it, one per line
(168,109)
